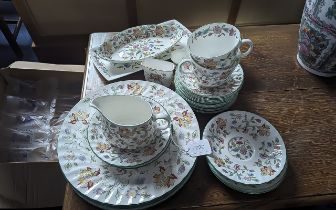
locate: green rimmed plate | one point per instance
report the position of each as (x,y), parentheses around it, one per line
(127,188)
(250,189)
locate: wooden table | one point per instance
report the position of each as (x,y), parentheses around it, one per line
(300,105)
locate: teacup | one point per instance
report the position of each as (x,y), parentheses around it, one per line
(128,121)
(158,71)
(216,45)
(205,77)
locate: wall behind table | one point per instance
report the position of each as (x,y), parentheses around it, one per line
(60,29)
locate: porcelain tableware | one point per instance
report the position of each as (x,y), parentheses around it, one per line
(205,77)
(178,55)
(245,147)
(250,189)
(125,158)
(140,42)
(216,45)
(111,187)
(111,71)
(190,85)
(158,71)
(128,121)
(317,38)
(208,109)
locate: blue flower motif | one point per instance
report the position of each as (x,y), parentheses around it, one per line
(82,158)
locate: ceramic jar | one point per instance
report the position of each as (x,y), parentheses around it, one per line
(317,38)
(217,46)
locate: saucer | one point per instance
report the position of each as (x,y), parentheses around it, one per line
(232,85)
(246,148)
(127,158)
(251,189)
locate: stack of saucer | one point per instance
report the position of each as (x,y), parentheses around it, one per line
(212,77)
(208,100)
(248,153)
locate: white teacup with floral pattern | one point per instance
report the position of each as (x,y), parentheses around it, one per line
(128,121)
(158,71)
(216,45)
(205,77)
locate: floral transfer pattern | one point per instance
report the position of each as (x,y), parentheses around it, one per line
(217,30)
(246,148)
(231,60)
(111,71)
(135,44)
(128,137)
(240,148)
(206,77)
(190,84)
(115,186)
(164,78)
(142,48)
(125,158)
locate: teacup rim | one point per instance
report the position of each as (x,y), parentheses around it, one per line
(207,25)
(118,124)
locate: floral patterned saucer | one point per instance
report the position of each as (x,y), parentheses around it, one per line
(246,148)
(125,158)
(113,187)
(189,83)
(140,42)
(250,189)
(206,104)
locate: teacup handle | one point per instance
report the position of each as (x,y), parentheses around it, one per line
(164,117)
(249,50)
(181,63)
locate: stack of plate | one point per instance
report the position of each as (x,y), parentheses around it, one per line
(248,153)
(205,99)
(113,178)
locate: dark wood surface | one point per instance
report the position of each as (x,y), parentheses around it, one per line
(300,105)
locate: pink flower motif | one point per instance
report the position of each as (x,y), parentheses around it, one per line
(236,167)
(217,30)
(243,151)
(303,49)
(232,32)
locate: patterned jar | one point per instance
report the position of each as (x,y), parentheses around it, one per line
(317,38)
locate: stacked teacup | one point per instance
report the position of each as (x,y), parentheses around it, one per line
(212,77)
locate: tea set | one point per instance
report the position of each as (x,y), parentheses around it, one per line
(128,144)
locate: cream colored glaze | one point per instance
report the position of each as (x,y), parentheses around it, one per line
(123,110)
(157,64)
